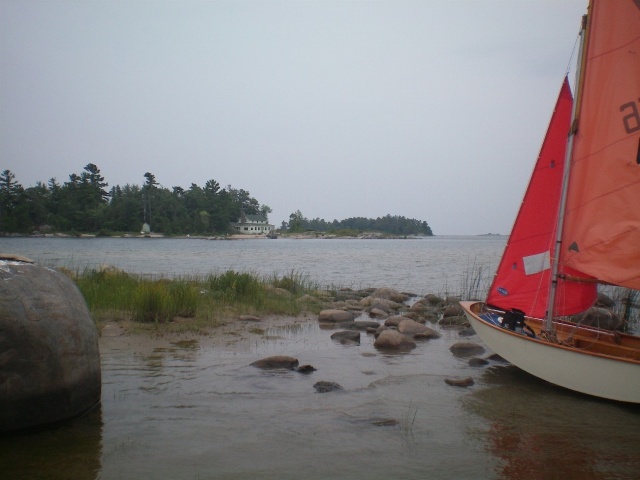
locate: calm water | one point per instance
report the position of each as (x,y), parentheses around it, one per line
(427,265)
(188,410)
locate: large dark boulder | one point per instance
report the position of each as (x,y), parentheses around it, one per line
(49,356)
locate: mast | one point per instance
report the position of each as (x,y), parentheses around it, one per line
(555,268)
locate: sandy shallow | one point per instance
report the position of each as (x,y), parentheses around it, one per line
(234,333)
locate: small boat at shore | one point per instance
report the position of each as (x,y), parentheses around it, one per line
(578,225)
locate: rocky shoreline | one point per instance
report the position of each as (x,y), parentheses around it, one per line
(294,236)
(398,321)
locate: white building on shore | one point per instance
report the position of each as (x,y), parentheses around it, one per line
(253,225)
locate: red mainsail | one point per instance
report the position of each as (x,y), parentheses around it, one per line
(601,235)
(523,277)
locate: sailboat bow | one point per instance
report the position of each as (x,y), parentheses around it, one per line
(579,220)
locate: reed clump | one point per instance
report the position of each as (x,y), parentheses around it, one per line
(207,301)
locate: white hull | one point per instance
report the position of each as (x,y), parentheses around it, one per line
(594,374)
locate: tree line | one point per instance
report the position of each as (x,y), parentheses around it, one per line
(83,204)
(393,225)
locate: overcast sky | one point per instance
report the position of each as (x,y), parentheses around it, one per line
(431,109)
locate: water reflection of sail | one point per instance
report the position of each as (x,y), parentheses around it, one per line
(543,440)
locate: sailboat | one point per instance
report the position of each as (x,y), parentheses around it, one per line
(578,225)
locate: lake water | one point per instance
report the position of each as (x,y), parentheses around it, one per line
(197,410)
(427,265)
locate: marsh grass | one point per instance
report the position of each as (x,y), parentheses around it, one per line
(191,303)
(293,282)
(475,282)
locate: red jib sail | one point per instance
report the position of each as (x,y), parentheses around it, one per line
(523,276)
(601,236)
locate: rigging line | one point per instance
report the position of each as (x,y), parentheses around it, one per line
(573,52)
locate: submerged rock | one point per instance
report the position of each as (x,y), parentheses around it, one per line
(324,387)
(386,422)
(478,362)
(49,356)
(306,369)
(335,316)
(464,349)
(457,320)
(276,362)
(348,336)
(459,382)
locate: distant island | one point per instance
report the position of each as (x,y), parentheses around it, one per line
(395,225)
(84,206)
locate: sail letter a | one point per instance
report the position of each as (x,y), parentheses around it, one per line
(536,263)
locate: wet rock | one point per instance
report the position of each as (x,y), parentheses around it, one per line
(353,305)
(459,382)
(496,358)
(393,340)
(478,362)
(325,387)
(434,299)
(428,335)
(410,327)
(377,313)
(248,318)
(381,303)
(49,356)
(412,315)
(453,311)
(431,316)
(308,299)
(454,300)
(467,332)
(456,321)
(339,305)
(390,294)
(395,320)
(379,330)
(364,324)
(360,325)
(350,335)
(335,316)
(276,362)
(306,369)
(419,308)
(464,349)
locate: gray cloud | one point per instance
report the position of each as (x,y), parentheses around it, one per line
(433,110)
